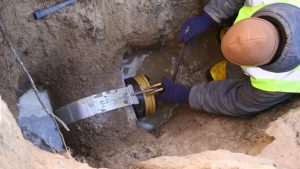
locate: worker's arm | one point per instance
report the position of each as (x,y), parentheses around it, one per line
(233,97)
(221,10)
(215,12)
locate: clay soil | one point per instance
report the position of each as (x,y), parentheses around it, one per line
(178,129)
(79,52)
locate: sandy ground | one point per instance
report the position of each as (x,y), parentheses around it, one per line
(73,50)
(78,52)
(208,160)
(18,153)
(180,130)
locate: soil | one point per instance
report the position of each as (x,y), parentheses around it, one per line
(210,159)
(179,130)
(78,52)
(71,51)
(16,152)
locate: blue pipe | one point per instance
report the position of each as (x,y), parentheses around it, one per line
(44,12)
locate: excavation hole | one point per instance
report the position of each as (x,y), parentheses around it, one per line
(177,130)
(115,140)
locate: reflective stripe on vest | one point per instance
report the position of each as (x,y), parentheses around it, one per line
(274,82)
(262,79)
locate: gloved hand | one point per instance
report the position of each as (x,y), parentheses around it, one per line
(194,26)
(174,93)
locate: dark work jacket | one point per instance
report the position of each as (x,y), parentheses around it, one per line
(237,96)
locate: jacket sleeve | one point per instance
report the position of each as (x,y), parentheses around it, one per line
(221,10)
(234,97)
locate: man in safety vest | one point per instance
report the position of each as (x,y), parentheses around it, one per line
(264,42)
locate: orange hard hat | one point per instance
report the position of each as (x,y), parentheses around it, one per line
(250,42)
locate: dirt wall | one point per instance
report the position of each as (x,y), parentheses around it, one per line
(17,153)
(78,51)
(73,50)
(282,153)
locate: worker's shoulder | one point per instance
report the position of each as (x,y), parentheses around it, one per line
(282,7)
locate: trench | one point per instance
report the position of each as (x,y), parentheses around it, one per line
(112,140)
(79,52)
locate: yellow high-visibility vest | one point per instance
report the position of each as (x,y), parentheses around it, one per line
(265,80)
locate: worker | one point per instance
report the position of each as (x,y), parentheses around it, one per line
(264,42)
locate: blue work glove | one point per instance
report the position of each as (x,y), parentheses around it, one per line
(174,93)
(194,26)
